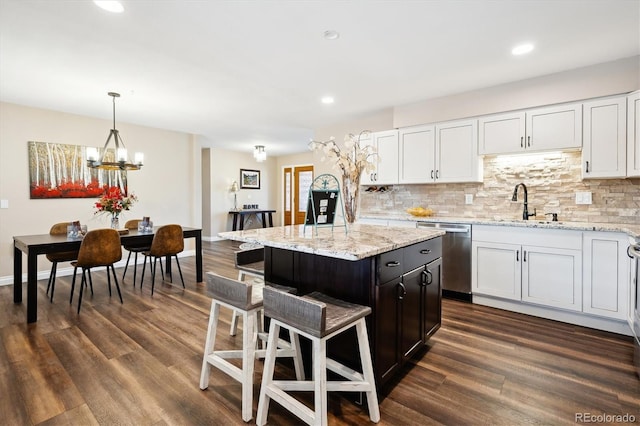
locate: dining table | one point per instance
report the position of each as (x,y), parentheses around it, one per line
(34,245)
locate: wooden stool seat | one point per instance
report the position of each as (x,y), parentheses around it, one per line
(244,298)
(317,317)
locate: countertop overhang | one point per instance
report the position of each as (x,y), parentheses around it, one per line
(361,240)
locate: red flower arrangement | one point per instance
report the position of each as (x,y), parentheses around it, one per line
(114,202)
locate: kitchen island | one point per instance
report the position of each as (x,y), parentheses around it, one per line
(395,271)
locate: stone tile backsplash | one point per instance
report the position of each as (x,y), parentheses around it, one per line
(552,180)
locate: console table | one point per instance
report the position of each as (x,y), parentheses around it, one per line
(239,215)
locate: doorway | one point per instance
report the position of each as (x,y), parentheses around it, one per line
(297,180)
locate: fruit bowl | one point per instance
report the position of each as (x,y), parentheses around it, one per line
(420,211)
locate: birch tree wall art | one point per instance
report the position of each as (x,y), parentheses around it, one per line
(60,171)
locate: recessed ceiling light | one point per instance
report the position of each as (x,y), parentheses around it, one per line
(110,6)
(522,49)
(327,100)
(331,35)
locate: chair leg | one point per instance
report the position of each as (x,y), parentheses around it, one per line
(153,274)
(249,340)
(367,370)
(52,280)
(113,271)
(144,267)
(319,369)
(82,284)
(267,375)
(126,265)
(135,267)
(209,344)
(90,281)
(109,281)
(73,283)
(179,270)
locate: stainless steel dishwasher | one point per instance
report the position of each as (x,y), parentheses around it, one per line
(456,258)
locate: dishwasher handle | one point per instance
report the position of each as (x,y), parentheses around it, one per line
(447,227)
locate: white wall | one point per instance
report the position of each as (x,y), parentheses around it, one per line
(224,169)
(621,76)
(168,186)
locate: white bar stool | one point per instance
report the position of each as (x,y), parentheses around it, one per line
(319,318)
(246,299)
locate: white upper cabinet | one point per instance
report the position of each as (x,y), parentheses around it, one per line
(604,150)
(386,145)
(456,154)
(417,154)
(633,134)
(551,128)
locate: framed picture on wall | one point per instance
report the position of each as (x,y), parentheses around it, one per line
(249,179)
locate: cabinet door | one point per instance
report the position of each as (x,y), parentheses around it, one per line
(457,152)
(554,128)
(412,307)
(606,274)
(633,135)
(387,326)
(417,147)
(604,151)
(501,133)
(495,269)
(552,277)
(368,178)
(433,297)
(387,145)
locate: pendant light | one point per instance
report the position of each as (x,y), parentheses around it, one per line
(106,160)
(259,153)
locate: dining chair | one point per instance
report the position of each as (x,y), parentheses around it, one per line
(135,248)
(55,258)
(168,241)
(100,247)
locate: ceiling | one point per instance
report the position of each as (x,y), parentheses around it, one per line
(241,73)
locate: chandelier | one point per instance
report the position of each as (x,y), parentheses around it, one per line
(259,153)
(116,159)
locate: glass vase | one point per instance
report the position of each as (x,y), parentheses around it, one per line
(350,191)
(115,222)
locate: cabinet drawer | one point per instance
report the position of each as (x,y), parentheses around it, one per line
(422,253)
(390,265)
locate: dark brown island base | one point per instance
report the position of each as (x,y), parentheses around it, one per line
(395,271)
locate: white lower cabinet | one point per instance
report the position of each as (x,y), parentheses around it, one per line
(496,269)
(545,268)
(606,274)
(551,277)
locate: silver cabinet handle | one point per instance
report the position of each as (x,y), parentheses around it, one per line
(393,264)
(529,141)
(521,141)
(404,291)
(524,256)
(518,256)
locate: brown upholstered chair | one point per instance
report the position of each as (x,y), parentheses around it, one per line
(55,258)
(168,240)
(100,247)
(134,248)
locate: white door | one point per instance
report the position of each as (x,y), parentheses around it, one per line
(457,152)
(633,135)
(417,150)
(552,277)
(604,150)
(554,128)
(501,133)
(496,270)
(387,145)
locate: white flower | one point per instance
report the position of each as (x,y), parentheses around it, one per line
(352,159)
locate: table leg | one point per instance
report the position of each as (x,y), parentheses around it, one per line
(235,222)
(17,275)
(264,220)
(167,268)
(199,257)
(270,220)
(32,288)
(241,222)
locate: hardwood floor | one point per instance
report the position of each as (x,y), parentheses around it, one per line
(139,363)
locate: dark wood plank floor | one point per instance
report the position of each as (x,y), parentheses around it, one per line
(139,363)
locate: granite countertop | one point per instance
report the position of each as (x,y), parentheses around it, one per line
(631,229)
(360,242)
